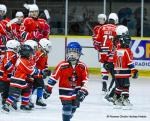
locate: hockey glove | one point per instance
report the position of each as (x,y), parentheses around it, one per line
(108,65)
(135,74)
(37,35)
(82,93)
(46,93)
(47,72)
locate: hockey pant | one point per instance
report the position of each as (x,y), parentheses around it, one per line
(104,73)
(122,87)
(25,95)
(69,108)
(4,90)
(39,85)
(14,94)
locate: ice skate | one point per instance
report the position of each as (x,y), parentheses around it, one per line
(5,108)
(31,104)
(40,103)
(109,99)
(127,105)
(118,103)
(25,107)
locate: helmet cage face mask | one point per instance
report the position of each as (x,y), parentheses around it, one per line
(20,18)
(34,14)
(3,9)
(73,55)
(125,41)
(2,13)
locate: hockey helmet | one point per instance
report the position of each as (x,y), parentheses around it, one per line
(13,45)
(26,51)
(113,18)
(3,9)
(33,11)
(123,36)
(33,44)
(20,16)
(33,7)
(101,18)
(45,44)
(122,30)
(74,51)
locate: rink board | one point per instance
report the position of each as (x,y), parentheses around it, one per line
(140,48)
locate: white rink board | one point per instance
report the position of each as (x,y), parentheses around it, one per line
(90,57)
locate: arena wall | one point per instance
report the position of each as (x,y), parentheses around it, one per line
(140,48)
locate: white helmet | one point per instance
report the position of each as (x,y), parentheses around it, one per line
(114,17)
(19,14)
(45,44)
(3,8)
(13,45)
(101,18)
(33,44)
(122,30)
(33,7)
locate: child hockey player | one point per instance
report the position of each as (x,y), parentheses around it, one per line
(123,67)
(73,76)
(41,59)
(7,67)
(18,83)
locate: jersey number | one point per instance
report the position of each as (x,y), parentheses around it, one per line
(107,37)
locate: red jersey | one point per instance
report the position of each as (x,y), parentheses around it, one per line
(105,38)
(4,35)
(95,31)
(123,62)
(23,68)
(70,79)
(95,35)
(15,29)
(7,65)
(41,61)
(41,57)
(34,29)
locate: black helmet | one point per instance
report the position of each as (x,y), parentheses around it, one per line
(25,51)
(125,41)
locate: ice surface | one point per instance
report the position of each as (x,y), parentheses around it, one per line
(94,107)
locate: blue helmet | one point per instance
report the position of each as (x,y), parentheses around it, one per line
(74,46)
(74,51)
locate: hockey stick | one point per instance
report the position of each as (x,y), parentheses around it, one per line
(89,27)
(112,72)
(47,15)
(9,24)
(27,6)
(12,22)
